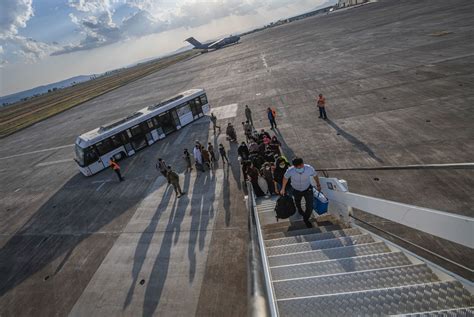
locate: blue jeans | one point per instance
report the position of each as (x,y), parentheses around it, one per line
(322,112)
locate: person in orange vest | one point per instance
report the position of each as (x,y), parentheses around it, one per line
(116,168)
(271,113)
(322,107)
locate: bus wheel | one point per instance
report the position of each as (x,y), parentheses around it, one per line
(118,156)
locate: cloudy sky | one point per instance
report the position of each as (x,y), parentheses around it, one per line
(44,41)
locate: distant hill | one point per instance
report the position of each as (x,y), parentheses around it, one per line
(43,89)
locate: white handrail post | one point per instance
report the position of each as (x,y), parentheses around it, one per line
(336,208)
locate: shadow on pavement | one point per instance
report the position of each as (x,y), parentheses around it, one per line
(355,141)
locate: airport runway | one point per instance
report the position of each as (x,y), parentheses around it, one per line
(398,78)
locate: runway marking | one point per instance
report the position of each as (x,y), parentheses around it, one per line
(54,162)
(100,186)
(37,151)
(262,56)
(224,112)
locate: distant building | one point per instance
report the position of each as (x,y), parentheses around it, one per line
(348,3)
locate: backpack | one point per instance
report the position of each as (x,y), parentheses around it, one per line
(285,207)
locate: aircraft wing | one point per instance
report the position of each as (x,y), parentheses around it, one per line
(217,43)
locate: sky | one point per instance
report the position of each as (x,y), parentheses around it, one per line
(44,41)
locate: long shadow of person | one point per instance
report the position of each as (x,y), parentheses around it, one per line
(361,146)
(159,272)
(146,237)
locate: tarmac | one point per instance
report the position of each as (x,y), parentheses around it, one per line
(398,78)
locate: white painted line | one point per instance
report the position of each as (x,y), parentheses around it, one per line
(101,181)
(38,151)
(262,56)
(54,162)
(100,186)
(224,112)
(17,190)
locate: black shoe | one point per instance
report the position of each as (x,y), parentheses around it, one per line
(308,224)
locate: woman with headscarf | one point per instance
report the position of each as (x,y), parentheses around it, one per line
(281,165)
(252,174)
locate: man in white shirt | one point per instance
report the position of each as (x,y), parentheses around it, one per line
(300,175)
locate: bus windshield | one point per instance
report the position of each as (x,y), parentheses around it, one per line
(79,155)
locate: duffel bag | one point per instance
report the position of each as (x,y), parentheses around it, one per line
(320,202)
(285,207)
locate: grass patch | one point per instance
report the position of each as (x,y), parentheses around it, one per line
(23,114)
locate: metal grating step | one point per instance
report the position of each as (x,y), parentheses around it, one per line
(312,237)
(362,263)
(270,232)
(398,300)
(328,254)
(355,281)
(456,312)
(318,245)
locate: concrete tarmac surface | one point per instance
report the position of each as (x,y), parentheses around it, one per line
(398,78)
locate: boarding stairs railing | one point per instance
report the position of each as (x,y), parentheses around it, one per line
(338,268)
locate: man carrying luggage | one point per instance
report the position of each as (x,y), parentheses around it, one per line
(300,175)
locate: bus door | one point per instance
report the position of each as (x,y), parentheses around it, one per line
(125,137)
(138,139)
(167,122)
(196,108)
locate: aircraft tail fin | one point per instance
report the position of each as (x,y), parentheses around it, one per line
(195,42)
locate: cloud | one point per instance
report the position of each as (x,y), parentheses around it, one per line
(95,23)
(14,16)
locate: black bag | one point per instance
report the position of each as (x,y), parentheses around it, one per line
(285,207)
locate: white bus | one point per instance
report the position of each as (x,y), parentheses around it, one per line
(126,136)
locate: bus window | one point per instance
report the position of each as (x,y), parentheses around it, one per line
(79,155)
(183,110)
(90,156)
(197,101)
(104,147)
(203,99)
(136,130)
(149,124)
(124,137)
(116,142)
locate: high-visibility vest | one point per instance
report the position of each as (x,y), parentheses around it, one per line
(114,165)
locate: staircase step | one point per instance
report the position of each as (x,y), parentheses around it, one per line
(318,245)
(397,300)
(354,281)
(328,254)
(455,312)
(352,264)
(282,232)
(312,237)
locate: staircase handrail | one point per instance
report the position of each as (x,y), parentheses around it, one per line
(262,298)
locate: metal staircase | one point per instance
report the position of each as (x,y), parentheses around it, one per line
(334,269)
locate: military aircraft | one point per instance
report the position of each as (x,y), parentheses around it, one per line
(214,45)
